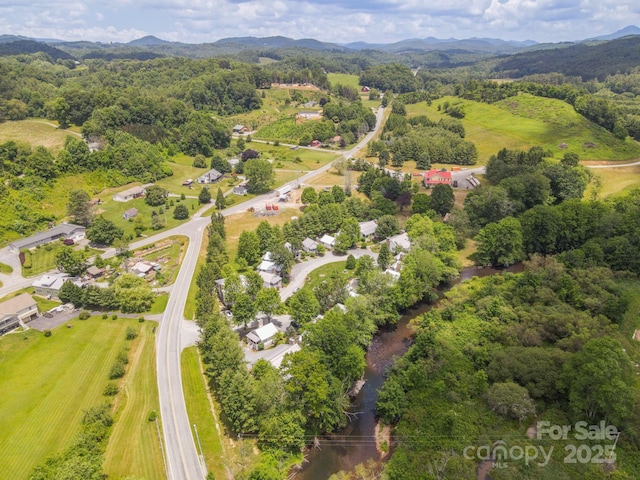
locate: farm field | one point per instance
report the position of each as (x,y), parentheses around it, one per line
(134,448)
(47,383)
(344,79)
(34,133)
(524,121)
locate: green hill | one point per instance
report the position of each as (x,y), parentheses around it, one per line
(526,120)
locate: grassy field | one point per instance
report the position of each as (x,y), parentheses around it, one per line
(190,305)
(325,271)
(309,159)
(525,121)
(159,304)
(34,133)
(4,268)
(344,79)
(113,211)
(47,383)
(614,180)
(133,448)
(199,408)
(43,258)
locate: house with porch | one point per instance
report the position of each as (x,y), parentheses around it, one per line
(19,309)
(436,177)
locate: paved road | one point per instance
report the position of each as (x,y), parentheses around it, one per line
(300,271)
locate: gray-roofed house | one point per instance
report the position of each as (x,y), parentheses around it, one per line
(95,272)
(240,129)
(270,280)
(130,194)
(211,176)
(309,245)
(241,189)
(50,285)
(368,229)
(130,214)
(64,231)
(399,243)
(21,308)
(262,336)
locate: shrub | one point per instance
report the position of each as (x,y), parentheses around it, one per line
(114,317)
(117,371)
(84,315)
(122,358)
(132,332)
(47,333)
(105,316)
(153,416)
(110,390)
(141,319)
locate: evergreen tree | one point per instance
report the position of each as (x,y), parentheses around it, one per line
(221,202)
(384,256)
(205,196)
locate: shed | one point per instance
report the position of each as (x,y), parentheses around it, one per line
(328,241)
(130,214)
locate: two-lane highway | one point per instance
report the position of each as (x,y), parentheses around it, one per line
(183,462)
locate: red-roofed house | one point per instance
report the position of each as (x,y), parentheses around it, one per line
(436,177)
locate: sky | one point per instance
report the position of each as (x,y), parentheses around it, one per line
(338,21)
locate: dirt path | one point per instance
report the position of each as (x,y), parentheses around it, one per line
(57,127)
(607,164)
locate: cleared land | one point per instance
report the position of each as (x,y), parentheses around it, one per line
(34,133)
(615,180)
(47,383)
(134,448)
(344,79)
(524,121)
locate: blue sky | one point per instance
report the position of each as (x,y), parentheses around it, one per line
(374,21)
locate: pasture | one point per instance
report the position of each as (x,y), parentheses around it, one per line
(34,133)
(47,383)
(525,121)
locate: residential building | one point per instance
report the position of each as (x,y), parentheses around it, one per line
(95,272)
(437,177)
(262,336)
(268,266)
(240,129)
(63,231)
(130,214)
(328,241)
(21,308)
(49,285)
(220,287)
(130,194)
(211,176)
(309,245)
(271,280)
(368,229)
(399,243)
(315,143)
(241,189)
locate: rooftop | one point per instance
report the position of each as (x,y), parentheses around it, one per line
(17,304)
(63,229)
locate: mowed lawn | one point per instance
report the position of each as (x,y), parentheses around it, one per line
(34,133)
(134,448)
(47,383)
(199,409)
(524,121)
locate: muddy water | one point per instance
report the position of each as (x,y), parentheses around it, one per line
(356,443)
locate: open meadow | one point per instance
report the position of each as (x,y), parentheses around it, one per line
(48,382)
(525,121)
(34,133)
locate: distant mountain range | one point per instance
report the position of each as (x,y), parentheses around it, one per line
(151,46)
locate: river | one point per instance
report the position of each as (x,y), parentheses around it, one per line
(356,443)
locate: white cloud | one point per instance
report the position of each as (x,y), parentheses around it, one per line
(327,20)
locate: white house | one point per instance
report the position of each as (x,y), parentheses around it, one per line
(263,335)
(269,267)
(368,229)
(130,194)
(211,176)
(328,241)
